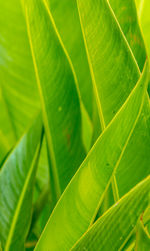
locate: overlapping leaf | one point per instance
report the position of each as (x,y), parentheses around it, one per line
(126,15)
(113,51)
(16,188)
(106,48)
(80,201)
(114,73)
(115,226)
(69,28)
(58,93)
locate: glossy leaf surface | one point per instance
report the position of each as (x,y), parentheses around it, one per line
(80,201)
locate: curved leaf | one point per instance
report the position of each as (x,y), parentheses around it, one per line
(113,228)
(78,205)
(69,28)
(114,73)
(17,77)
(16,187)
(114,78)
(58,93)
(127,17)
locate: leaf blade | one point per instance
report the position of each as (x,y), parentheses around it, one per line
(115,71)
(117,220)
(16,68)
(62,125)
(86,190)
(20,167)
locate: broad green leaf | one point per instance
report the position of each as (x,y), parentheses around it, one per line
(115,72)
(78,205)
(59,97)
(16,187)
(68,26)
(17,77)
(113,228)
(142,238)
(126,15)
(127,173)
(114,78)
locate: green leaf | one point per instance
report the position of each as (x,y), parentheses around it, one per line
(17,77)
(16,187)
(126,15)
(75,47)
(115,72)
(79,203)
(113,228)
(104,40)
(58,93)
(72,38)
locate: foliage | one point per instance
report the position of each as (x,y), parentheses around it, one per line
(74,125)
